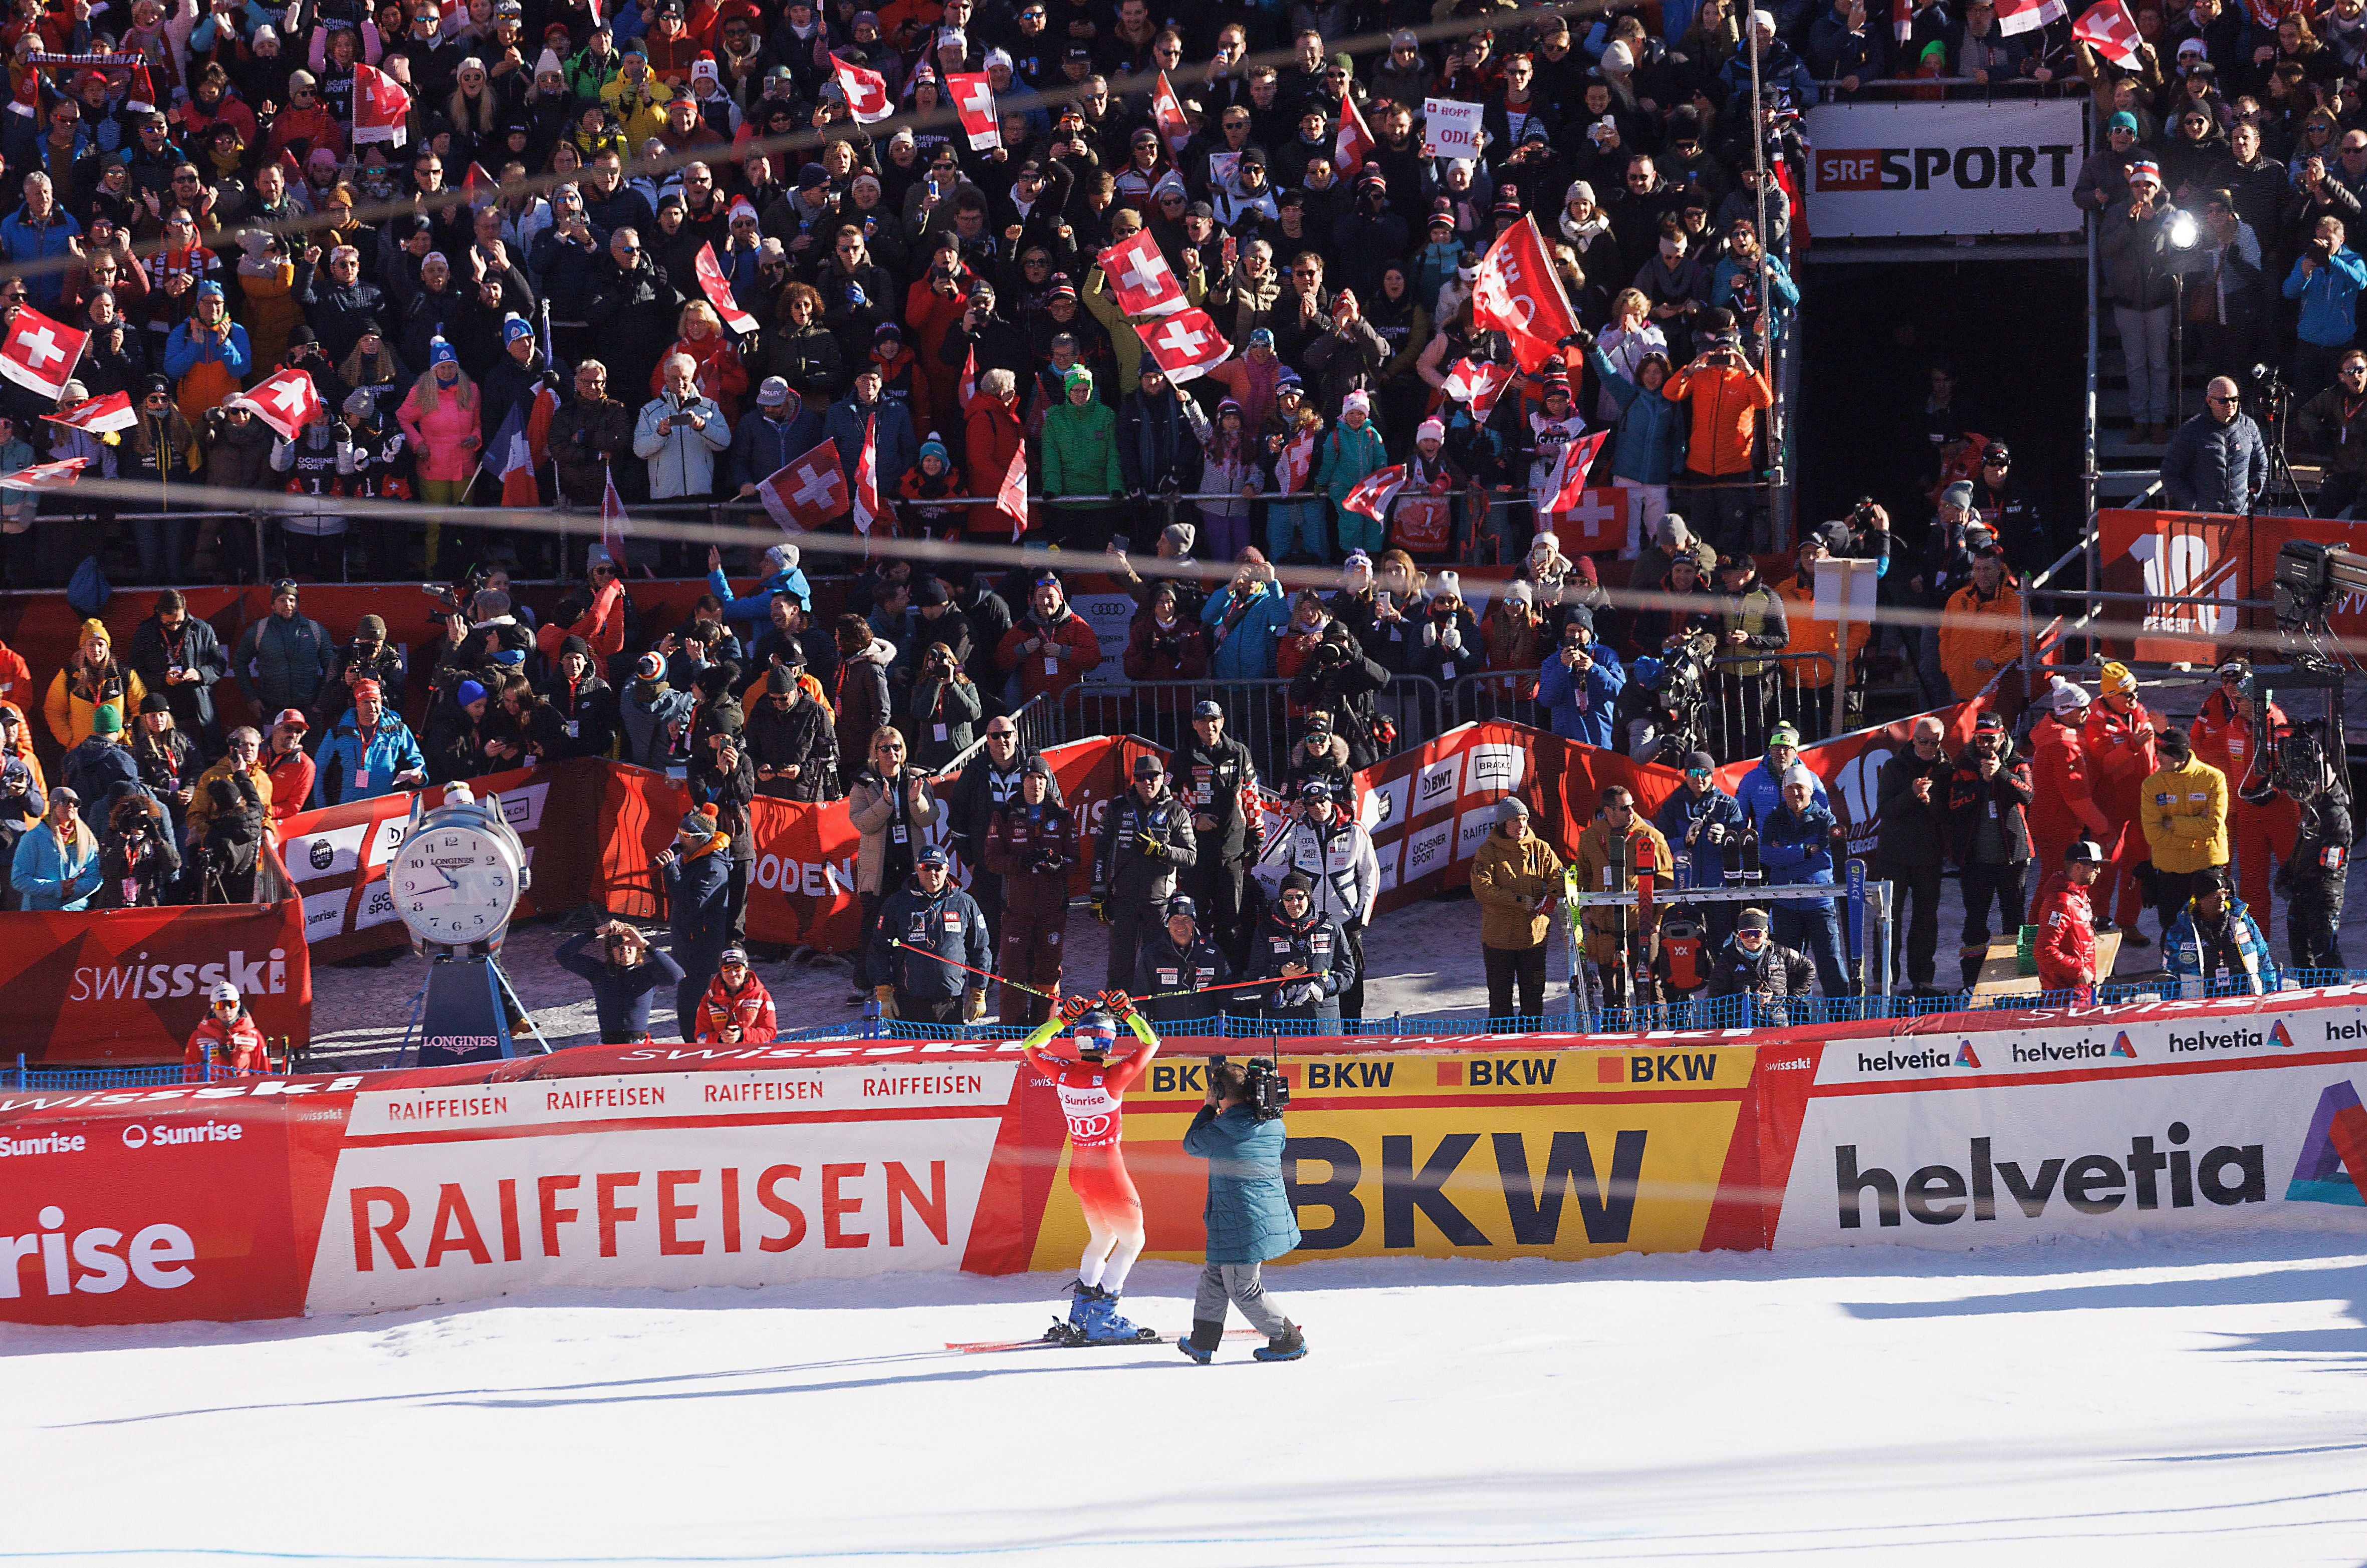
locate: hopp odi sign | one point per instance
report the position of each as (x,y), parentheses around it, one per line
(1877,170)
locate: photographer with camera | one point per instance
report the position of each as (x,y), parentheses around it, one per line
(178,658)
(2311,876)
(1248,1215)
(1578,686)
(1726,391)
(624,974)
(945,705)
(1339,679)
(139,865)
(370,657)
(226,839)
(1699,821)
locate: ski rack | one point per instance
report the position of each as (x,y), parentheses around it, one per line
(1874,953)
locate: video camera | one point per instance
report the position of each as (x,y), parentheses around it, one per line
(1267,1091)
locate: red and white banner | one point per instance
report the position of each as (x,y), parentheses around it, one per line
(1353,145)
(808,491)
(286,401)
(2107,28)
(98,416)
(717,290)
(60,475)
(38,353)
(1477,385)
(1518,294)
(381,107)
(867,98)
(129,986)
(973,98)
(1186,345)
(1174,126)
(1372,494)
(1145,284)
(2028,16)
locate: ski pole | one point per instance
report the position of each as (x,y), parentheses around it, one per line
(957,963)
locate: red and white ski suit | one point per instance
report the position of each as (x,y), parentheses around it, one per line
(2064,808)
(1092,1097)
(2233,744)
(2066,936)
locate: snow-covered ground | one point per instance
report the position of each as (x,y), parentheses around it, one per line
(2155,1400)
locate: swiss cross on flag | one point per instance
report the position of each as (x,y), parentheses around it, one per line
(46,476)
(39,354)
(1478,385)
(1375,491)
(1010,497)
(1519,293)
(1569,478)
(98,416)
(867,92)
(2109,30)
(1354,146)
(1597,523)
(973,98)
(867,510)
(1167,110)
(285,402)
(2028,16)
(1296,462)
(1146,285)
(380,106)
(717,290)
(1186,345)
(808,491)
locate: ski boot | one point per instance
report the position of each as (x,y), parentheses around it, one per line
(1081,1304)
(1288,1345)
(1201,1342)
(1106,1327)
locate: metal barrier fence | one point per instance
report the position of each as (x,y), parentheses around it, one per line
(1739,712)
(1258,713)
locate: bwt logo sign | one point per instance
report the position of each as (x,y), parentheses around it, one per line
(1961,168)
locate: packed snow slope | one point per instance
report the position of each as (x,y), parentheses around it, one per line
(2154,1400)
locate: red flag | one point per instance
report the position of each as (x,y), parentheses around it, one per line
(1478,385)
(1596,520)
(867,510)
(1519,295)
(26,99)
(98,416)
(45,476)
(285,401)
(1186,345)
(1569,478)
(1167,110)
(2028,16)
(867,92)
(1375,491)
(380,106)
(39,354)
(973,98)
(969,376)
(808,491)
(717,290)
(1011,496)
(1354,146)
(2107,28)
(1146,285)
(142,96)
(614,525)
(1297,462)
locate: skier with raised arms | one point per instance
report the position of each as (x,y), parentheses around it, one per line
(1091,1078)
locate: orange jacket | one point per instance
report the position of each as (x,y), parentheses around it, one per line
(1726,402)
(750,1009)
(603,625)
(2228,741)
(1996,638)
(2120,757)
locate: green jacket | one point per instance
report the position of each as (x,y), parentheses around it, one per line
(1344,456)
(1081,452)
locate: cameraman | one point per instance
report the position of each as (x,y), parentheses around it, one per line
(224,858)
(944,707)
(1339,680)
(137,863)
(1580,685)
(624,974)
(370,657)
(2311,877)
(1248,1218)
(1699,821)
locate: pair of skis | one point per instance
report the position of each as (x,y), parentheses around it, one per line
(1047,1342)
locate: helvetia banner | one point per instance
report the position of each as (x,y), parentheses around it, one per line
(1955,169)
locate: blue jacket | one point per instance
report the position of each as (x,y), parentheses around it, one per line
(184,354)
(50,875)
(2329,299)
(1783,294)
(1761,791)
(1798,849)
(22,241)
(1649,445)
(1704,865)
(388,750)
(2182,950)
(1582,704)
(761,447)
(1248,1214)
(898,448)
(947,923)
(2212,467)
(698,903)
(1247,652)
(758,603)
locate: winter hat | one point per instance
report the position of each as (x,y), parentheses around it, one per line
(780,681)
(2173,743)
(440,353)
(370,629)
(2069,696)
(157,702)
(1077,373)
(548,65)
(1783,734)
(781,557)
(105,719)
(1429,430)
(1673,534)
(1297,881)
(933,448)
(1618,57)
(1577,189)
(361,404)
(2116,678)
(1356,402)
(1356,558)
(1447,585)
(469,692)
(514,327)
(1752,921)
(1181,536)
(2124,120)
(1510,808)
(2145,169)
(650,667)
(1517,590)
(1958,494)
(1260,338)
(698,824)
(571,643)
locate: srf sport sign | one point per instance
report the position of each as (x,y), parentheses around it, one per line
(1887,169)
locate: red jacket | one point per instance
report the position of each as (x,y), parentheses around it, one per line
(750,1007)
(1041,671)
(928,316)
(991,434)
(235,1052)
(1035,856)
(2061,765)
(2228,741)
(2066,935)
(291,782)
(2120,757)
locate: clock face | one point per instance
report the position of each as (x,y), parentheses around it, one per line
(453,883)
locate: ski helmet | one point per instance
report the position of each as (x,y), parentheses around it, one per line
(1096,1036)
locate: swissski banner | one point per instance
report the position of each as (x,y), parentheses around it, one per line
(129,986)
(1877,170)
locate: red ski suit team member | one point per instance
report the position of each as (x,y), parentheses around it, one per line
(2227,735)
(2120,759)
(2066,928)
(737,1008)
(2064,808)
(227,1044)
(1091,1079)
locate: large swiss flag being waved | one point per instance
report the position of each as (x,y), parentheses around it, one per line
(1518,294)
(973,96)
(808,491)
(867,92)
(1185,344)
(39,354)
(1146,285)
(285,402)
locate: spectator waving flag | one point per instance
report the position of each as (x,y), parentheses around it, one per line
(717,290)
(1375,491)
(38,353)
(380,106)
(1186,345)
(2108,29)
(1167,110)
(973,98)
(615,526)
(1477,385)
(1519,295)
(867,92)
(2028,16)
(518,448)
(1011,496)
(1569,476)
(969,376)
(286,401)
(98,416)
(1353,147)
(808,491)
(1146,285)
(45,476)
(1296,462)
(867,510)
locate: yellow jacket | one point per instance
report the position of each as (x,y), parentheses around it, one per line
(1997,637)
(2185,814)
(1503,873)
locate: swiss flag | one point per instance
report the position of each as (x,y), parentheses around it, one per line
(1479,385)
(1146,285)
(969,376)
(717,290)
(1596,520)
(2107,28)
(380,106)
(98,416)
(615,526)
(808,491)
(1569,478)
(2028,16)
(1167,110)
(1354,146)
(867,92)
(45,476)
(475,183)
(1375,491)
(285,402)
(1186,345)
(1011,496)
(973,98)
(867,510)
(1518,294)
(38,353)
(1296,462)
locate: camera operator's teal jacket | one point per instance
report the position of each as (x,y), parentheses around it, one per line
(1248,1214)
